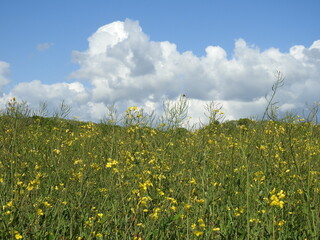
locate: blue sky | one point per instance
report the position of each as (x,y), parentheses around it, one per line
(38,38)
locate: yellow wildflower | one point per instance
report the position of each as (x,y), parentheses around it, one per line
(201,223)
(193,226)
(99,235)
(193,181)
(40,212)
(9,204)
(187,206)
(275,199)
(18,235)
(198,233)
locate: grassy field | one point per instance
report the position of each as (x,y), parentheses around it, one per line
(63,179)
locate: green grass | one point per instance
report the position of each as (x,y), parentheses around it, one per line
(63,179)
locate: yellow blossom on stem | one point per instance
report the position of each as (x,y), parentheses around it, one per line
(275,199)
(197,233)
(18,235)
(40,212)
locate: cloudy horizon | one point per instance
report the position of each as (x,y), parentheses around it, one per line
(122,66)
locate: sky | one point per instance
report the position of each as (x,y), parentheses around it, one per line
(92,54)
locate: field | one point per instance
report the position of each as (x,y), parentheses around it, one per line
(66,179)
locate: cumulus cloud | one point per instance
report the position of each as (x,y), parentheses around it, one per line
(73,94)
(70,92)
(123,66)
(4,72)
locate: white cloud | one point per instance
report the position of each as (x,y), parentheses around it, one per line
(123,64)
(44,46)
(4,72)
(124,67)
(59,91)
(73,94)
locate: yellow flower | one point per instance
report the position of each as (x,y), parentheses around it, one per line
(56,151)
(9,204)
(238,212)
(18,235)
(99,235)
(276,198)
(173,208)
(187,206)
(47,204)
(146,184)
(193,181)
(216,229)
(161,193)
(193,226)
(281,194)
(155,214)
(109,165)
(40,212)
(201,223)
(198,233)
(262,211)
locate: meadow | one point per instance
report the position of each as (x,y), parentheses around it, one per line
(67,179)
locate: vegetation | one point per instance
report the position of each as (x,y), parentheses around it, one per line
(66,179)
